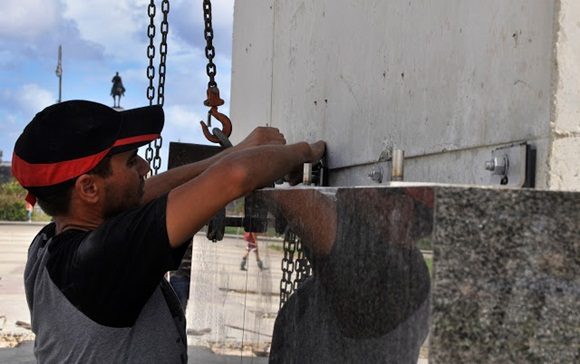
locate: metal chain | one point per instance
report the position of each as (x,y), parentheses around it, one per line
(293,263)
(150,69)
(303,268)
(151,51)
(163,52)
(161,82)
(152,153)
(209,48)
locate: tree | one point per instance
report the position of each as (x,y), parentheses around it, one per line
(12,204)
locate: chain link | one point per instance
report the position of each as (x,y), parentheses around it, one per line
(211,69)
(151,51)
(163,52)
(295,267)
(150,69)
(152,153)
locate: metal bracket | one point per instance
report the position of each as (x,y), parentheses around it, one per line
(508,165)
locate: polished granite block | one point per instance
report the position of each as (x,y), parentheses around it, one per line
(504,287)
(369,295)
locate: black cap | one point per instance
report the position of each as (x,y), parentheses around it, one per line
(70,138)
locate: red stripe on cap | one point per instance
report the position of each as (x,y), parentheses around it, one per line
(47,174)
(136,139)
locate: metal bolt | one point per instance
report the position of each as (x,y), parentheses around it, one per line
(307,174)
(498,165)
(376,174)
(397,170)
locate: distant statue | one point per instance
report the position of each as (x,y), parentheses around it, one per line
(117,90)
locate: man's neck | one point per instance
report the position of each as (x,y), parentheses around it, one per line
(67,223)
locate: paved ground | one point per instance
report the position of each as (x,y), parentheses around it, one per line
(230,314)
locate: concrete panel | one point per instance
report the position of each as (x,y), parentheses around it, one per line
(567,93)
(454,167)
(564,164)
(252,71)
(423,76)
(446,81)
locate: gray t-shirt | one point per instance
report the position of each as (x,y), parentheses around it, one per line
(100,296)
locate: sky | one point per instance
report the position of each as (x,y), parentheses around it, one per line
(99,38)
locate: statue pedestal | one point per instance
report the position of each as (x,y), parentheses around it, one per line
(503,284)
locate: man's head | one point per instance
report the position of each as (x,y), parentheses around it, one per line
(68,143)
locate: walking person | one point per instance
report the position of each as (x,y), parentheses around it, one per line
(251,245)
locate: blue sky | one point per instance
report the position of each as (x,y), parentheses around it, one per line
(99,38)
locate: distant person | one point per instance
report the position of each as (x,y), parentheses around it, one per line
(94,278)
(251,245)
(29,209)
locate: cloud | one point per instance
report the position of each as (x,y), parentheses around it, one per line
(33,97)
(27,19)
(181,116)
(101,37)
(119,26)
(33,29)
(17,108)
(27,99)
(188,23)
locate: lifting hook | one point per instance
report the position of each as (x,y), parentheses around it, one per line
(213,101)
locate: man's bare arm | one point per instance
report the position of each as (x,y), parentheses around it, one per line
(311,214)
(156,186)
(192,204)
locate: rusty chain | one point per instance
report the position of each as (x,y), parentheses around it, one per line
(213,100)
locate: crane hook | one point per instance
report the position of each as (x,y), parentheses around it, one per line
(223,119)
(213,101)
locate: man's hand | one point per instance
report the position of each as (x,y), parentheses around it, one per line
(318,150)
(193,203)
(262,135)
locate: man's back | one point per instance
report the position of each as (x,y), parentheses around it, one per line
(66,334)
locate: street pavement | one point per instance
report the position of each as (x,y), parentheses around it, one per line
(230,313)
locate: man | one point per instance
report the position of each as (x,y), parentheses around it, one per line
(94,277)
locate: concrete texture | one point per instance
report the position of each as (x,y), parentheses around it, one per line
(14,241)
(446,81)
(230,315)
(565,125)
(24,355)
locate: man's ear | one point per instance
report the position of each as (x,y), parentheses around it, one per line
(87,188)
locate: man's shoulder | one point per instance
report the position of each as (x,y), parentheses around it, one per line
(42,237)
